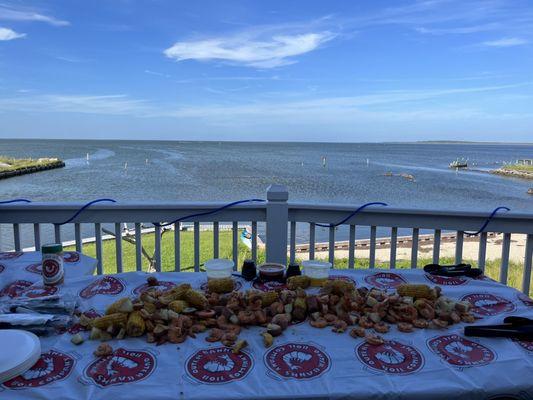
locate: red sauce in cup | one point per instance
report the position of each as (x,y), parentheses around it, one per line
(269,272)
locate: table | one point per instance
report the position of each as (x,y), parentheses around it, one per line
(303,363)
(21,272)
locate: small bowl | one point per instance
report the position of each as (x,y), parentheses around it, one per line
(317,271)
(219,268)
(269,272)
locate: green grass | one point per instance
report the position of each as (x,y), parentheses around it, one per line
(492,268)
(518,167)
(19,163)
(167,251)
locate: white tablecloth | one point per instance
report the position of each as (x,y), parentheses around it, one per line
(303,363)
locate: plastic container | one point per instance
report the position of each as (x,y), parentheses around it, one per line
(269,272)
(52,264)
(317,271)
(219,268)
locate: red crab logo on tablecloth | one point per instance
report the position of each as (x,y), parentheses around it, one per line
(92,313)
(15,289)
(39,291)
(486,304)
(107,285)
(35,268)
(528,301)
(391,357)
(10,255)
(527,345)
(51,367)
(385,280)
(446,280)
(297,361)
(123,366)
(162,285)
(461,352)
(237,285)
(268,286)
(218,365)
(71,256)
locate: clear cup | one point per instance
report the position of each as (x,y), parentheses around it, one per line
(317,271)
(219,268)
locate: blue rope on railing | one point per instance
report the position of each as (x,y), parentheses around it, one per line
(209,212)
(82,209)
(487,221)
(15,201)
(232,204)
(376,203)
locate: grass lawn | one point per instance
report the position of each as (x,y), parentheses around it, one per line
(492,268)
(518,167)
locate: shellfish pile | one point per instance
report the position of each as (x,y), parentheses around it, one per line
(175,314)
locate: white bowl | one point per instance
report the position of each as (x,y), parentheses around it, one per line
(219,268)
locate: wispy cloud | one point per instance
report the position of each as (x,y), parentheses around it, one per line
(461,30)
(16,13)
(118,104)
(150,72)
(250,48)
(506,42)
(386,102)
(9,34)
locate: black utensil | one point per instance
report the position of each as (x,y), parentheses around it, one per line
(453,270)
(513,327)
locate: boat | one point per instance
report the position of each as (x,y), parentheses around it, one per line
(462,163)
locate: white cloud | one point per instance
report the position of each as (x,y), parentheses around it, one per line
(99,104)
(10,13)
(506,42)
(457,30)
(386,103)
(249,50)
(8,34)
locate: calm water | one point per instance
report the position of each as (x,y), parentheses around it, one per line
(176,171)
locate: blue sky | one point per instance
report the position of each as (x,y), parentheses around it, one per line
(267,70)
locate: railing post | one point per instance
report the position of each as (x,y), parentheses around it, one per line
(277,216)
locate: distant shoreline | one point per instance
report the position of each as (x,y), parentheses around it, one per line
(417,142)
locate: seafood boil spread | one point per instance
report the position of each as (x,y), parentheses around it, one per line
(350,334)
(178,313)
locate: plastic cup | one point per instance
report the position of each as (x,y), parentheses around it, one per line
(317,271)
(219,268)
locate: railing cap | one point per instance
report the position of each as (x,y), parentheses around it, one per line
(277,193)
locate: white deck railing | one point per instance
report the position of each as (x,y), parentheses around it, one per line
(279,218)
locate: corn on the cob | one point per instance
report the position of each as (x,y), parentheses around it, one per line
(299,281)
(116,319)
(178,306)
(269,297)
(123,305)
(223,285)
(135,325)
(176,293)
(195,299)
(416,291)
(338,287)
